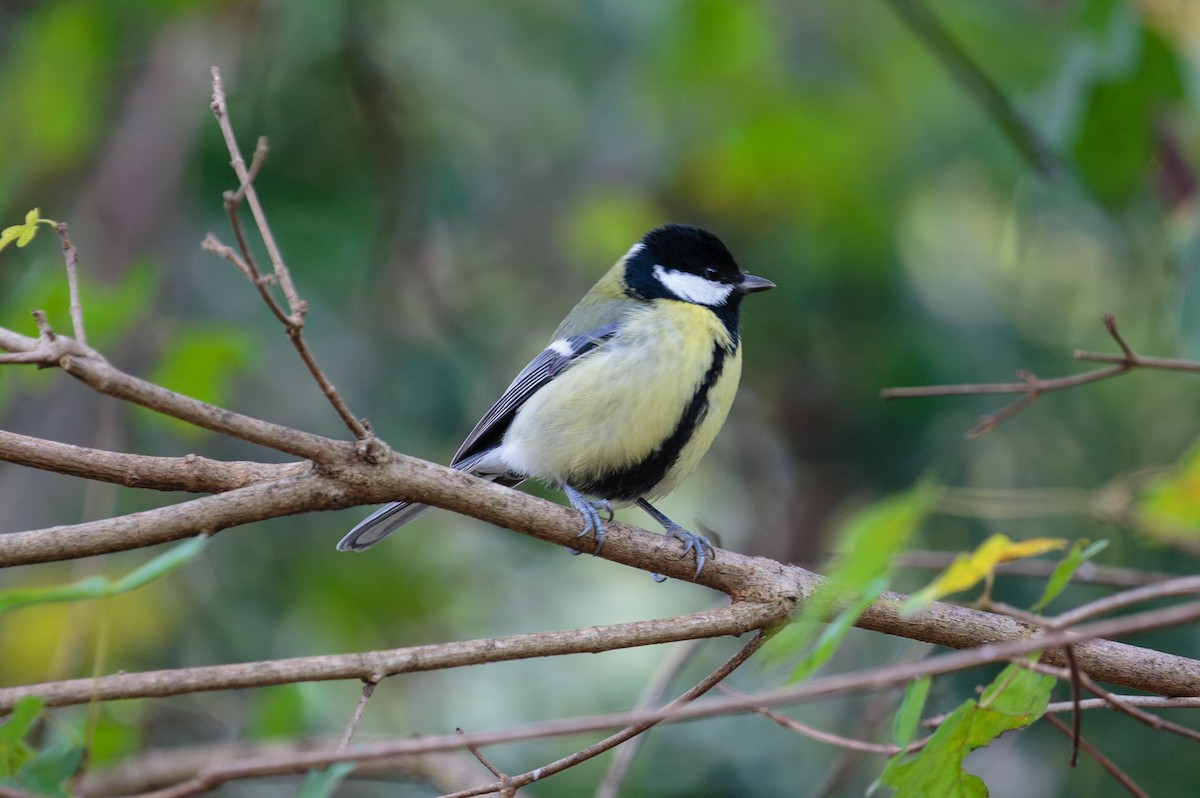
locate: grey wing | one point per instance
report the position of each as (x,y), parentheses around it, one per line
(555,359)
(551,362)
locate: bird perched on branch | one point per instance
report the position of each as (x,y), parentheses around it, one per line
(627,397)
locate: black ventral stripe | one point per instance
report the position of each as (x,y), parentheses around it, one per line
(636,481)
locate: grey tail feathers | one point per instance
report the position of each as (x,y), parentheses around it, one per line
(380,524)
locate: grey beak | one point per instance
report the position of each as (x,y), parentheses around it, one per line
(751,284)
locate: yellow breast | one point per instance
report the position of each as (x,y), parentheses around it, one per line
(619,404)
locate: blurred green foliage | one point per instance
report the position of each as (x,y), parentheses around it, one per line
(446,178)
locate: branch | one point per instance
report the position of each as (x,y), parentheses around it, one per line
(734,619)
(873,678)
(1033,388)
(90,367)
(71,257)
(629,732)
(190,473)
(768,590)
(293,322)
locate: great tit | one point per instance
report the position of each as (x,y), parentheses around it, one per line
(621,405)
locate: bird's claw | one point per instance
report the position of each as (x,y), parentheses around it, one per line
(692,543)
(590,510)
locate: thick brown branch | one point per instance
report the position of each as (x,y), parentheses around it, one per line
(191,473)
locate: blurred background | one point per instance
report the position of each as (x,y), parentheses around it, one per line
(446,178)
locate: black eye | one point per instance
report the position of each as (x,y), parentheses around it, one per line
(712,273)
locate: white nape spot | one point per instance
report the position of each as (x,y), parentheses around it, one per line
(692,287)
(635,249)
(561,347)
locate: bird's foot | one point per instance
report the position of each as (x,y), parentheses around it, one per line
(695,544)
(698,544)
(590,510)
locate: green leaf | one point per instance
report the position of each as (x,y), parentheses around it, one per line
(835,631)
(1081,551)
(322,783)
(1115,145)
(49,770)
(867,544)
(1016,698)
(908,716)
(95,587)
(13,750)
(22,234)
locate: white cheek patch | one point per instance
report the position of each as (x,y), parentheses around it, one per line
(693,287)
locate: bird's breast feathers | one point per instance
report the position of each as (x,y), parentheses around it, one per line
(633,417)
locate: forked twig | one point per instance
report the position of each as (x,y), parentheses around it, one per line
(297,308)
(1032,387)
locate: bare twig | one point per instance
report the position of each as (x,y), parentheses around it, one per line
(1033,388)
(293,321)
(220,109)
(71,256)
(874,678)
(1152,701)
(1109,766)
(1076,717)
(190,473)
(1121,705)
(375,665)
(368,689)
(1180,586)
(822,736)
(91,368)
(634,729)
(483,760)
(610,785)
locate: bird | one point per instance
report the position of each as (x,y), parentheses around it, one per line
(626,398)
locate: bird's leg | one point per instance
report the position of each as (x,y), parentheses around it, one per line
(691,542)
(590,510)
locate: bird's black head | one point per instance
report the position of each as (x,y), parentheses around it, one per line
(691,265)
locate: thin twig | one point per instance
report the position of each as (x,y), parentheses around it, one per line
(636,728)
(1152,701)
(1181,586)
(1151,720)
(71,257)
(820,735)
(221,111)
(873,678)
(293,321)
(1034,388)
(1119,775)
(368,688)
(1076,716)
(610,785)
(483,760)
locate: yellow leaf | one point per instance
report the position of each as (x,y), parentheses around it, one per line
(971,569)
